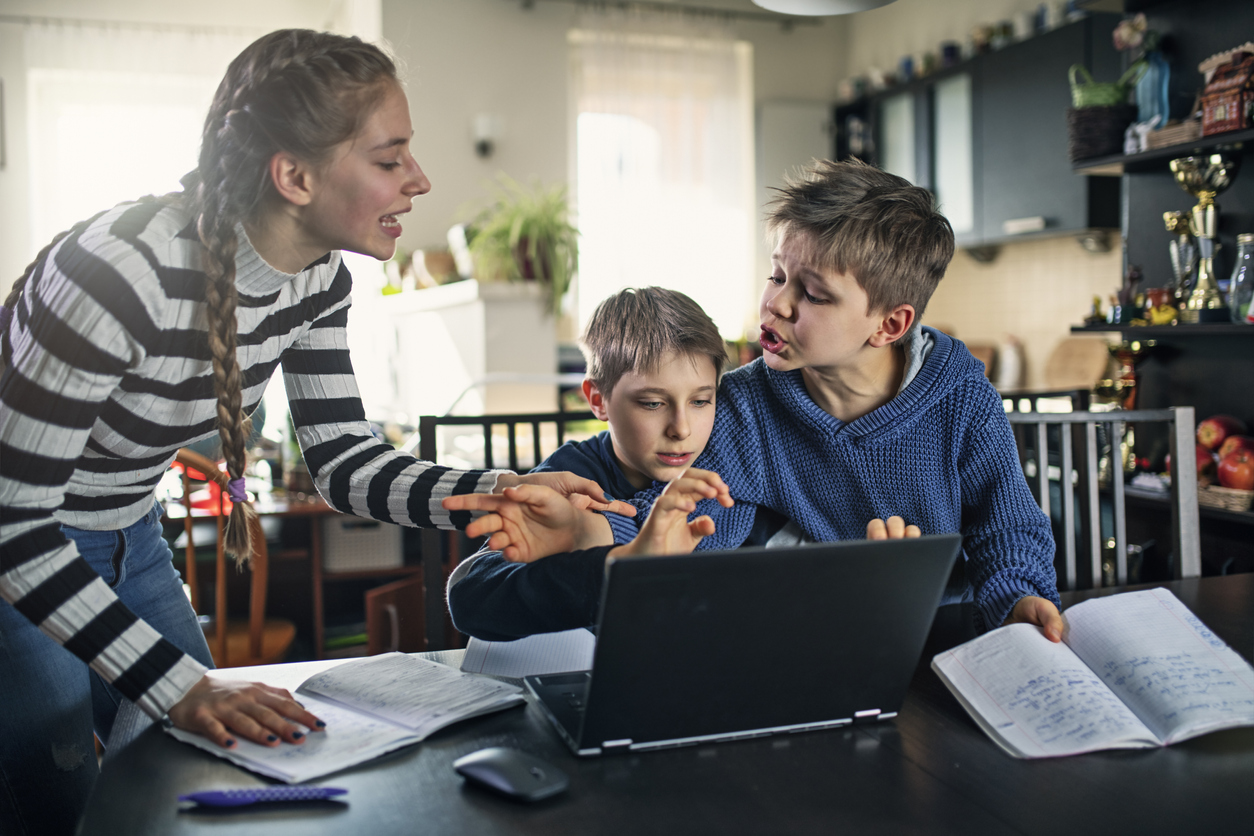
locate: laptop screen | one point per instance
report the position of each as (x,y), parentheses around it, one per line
(717,643)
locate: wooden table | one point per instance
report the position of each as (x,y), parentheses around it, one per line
(929,771)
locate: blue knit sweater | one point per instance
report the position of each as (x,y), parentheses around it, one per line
(940,454)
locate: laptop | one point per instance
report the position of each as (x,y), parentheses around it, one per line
(717,646)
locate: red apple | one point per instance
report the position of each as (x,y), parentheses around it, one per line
(1236,442)
(1236,470)
(1205,463)
(1216,428)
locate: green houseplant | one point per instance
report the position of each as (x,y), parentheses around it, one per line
(525,235)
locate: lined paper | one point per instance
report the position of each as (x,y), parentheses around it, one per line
(569,650)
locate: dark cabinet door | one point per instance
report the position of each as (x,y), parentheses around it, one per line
(1026,173)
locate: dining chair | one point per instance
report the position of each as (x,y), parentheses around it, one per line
(1064,448)
(233,643)
(527,439)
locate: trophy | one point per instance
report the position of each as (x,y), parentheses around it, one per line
(1183,254)
(1204,178)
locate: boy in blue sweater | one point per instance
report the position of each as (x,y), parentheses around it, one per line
(856,412)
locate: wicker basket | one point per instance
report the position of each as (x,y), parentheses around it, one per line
(1097,131)
(1229,499)
(1085,92)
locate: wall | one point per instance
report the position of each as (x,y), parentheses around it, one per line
(245,15)
(1034,290)
(492,56)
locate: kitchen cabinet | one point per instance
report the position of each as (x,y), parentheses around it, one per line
(989,138)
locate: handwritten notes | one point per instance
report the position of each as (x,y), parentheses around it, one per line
(1135,670)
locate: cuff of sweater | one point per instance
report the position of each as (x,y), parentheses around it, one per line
(487,482)
(625,529)
(165,693)
(998,598)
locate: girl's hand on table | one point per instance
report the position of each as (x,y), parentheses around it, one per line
(215,708)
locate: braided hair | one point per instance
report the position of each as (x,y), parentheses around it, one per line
(293,90)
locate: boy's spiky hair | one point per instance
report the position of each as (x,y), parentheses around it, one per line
(861,221)
(635,330)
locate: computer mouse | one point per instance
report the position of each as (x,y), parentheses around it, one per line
(513,773)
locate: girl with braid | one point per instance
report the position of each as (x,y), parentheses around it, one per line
(157,324)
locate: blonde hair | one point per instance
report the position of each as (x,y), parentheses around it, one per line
(636,329)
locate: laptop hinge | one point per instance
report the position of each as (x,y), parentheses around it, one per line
(615,745)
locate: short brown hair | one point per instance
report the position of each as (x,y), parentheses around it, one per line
(636,329)
(870,224)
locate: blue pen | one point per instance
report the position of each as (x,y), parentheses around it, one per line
(255,795)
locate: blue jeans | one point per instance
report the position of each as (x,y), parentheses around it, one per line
(51,701)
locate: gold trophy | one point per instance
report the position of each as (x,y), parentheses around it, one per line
(1204,178)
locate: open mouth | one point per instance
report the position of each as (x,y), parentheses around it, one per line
(770,341)
(391,225)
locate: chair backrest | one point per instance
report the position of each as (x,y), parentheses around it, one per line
(1077,456)
(453,545)
(260,565)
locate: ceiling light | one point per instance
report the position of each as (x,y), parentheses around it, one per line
(820,7)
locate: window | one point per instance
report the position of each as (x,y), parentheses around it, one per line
(664,163)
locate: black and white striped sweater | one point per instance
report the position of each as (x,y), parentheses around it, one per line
(108,374)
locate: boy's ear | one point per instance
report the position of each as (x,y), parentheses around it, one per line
(292,179)
(596,401)
(894,326)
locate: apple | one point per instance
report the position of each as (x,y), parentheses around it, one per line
(1205,462)
(1235,442)
(1236,470)
(1216,428)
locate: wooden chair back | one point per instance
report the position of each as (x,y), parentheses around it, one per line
(1077,456)
(261,640)
(511,451)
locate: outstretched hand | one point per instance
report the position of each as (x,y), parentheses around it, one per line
(527,522)
(1039,611)
(217,709)
(583,493)
(668,530)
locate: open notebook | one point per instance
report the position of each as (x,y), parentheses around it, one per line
(371,707)
(1134,670)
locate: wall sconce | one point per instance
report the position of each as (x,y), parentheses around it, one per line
(485,129)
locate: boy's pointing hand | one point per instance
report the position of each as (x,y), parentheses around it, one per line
(668,529)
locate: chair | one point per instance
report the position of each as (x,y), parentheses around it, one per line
(452,546)
(259,640)
(1073,446)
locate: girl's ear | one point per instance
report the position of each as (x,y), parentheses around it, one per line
(597,401)
(894,326)
(292,179)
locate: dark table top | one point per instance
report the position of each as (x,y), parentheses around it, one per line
(931,770)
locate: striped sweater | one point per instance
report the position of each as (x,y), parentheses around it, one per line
(107,373)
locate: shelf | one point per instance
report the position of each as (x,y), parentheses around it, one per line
(1205,511)
(1155,159)
(1148,332)
(371,574)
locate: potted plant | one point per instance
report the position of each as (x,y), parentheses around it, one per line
(525,235)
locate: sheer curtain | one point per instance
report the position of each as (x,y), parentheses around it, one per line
(663,132)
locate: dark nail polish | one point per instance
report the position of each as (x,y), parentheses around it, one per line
(272,737)
(297,735)
(229,743)
(320,724)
